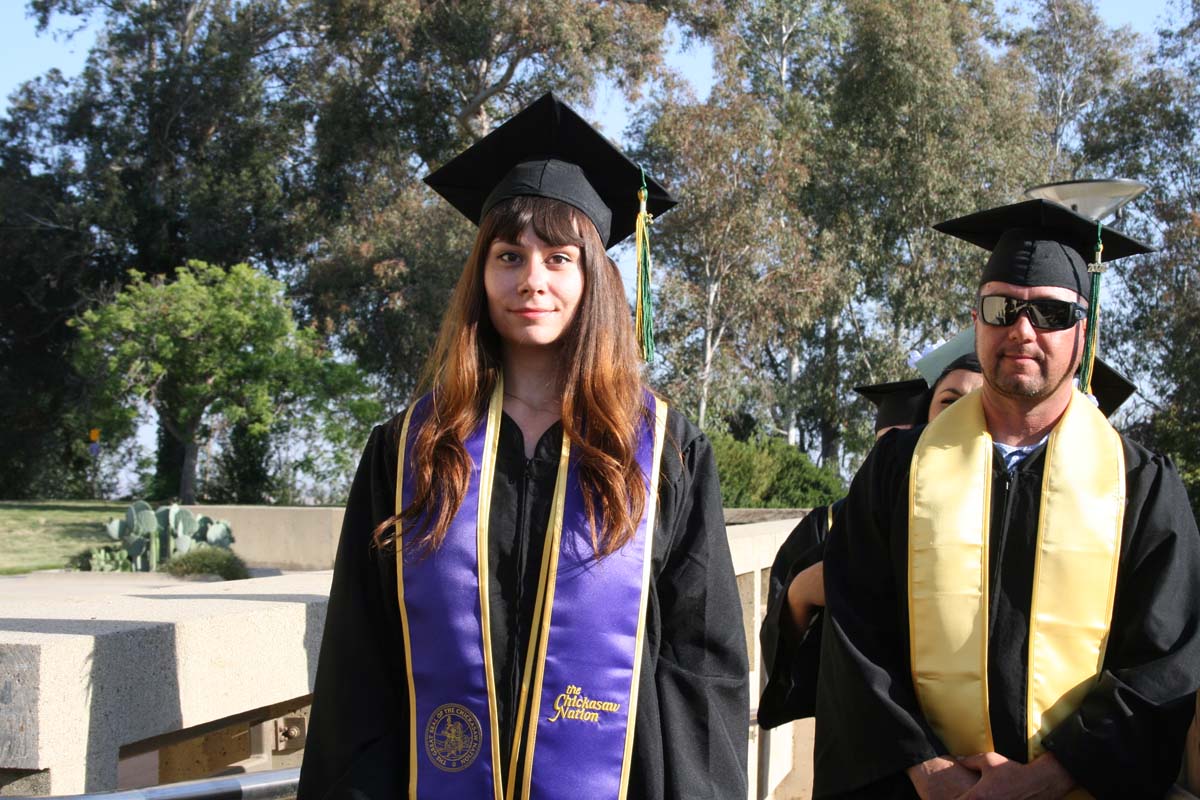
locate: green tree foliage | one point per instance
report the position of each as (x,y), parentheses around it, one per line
(1148,128)
(209,343)
(769,473)
(733,255)
(1074,60)
(240,477)
(46,273)
(179,141)
(292,135)
(405,86)
(182,131)
(908,114)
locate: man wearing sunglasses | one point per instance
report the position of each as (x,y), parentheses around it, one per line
(1013,590)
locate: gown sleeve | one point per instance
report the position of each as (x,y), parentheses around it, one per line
(1126,738)
(701,675)
(791,657)
(356,745)
(869,727)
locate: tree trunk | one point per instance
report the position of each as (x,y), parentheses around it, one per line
(185,435)
(831,434)
(168,463)
(705,379)
(831,438)
(187,478)
(792,417)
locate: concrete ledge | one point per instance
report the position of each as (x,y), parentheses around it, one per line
(92,663)
(754,546)
(84,673)
(287,537)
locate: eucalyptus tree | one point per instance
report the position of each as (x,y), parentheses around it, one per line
(918,116)
(1075,60)
(731,256)
(1146,128)
(405,86)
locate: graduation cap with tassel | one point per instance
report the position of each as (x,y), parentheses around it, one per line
(548,150)
(1042,242)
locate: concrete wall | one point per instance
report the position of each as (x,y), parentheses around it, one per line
(286,537)
(92,663)
(89,667)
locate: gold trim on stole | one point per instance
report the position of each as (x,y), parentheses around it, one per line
(550,577)
(554,531)
(412,689)
(1079,537)
(486,477)
(660,428)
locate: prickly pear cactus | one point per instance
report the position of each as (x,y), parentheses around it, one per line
(117,529)
(150,538)
(184,523)
(219,535)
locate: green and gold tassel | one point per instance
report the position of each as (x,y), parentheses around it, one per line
(644,318)
(1096,268)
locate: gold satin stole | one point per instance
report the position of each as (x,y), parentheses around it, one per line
(1075,573)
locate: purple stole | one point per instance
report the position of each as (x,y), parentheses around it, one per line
(585,648)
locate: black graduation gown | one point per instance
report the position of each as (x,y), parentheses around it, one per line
(691,732)
(1124,741)
(791,658)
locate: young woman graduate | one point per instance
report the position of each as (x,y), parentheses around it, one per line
(533,594)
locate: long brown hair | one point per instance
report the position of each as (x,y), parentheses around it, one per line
(599,381)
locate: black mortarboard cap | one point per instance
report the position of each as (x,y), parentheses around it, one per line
(1110,388)
(1039,243)
(548,150)
(897,403)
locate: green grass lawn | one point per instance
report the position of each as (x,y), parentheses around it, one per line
(43,534)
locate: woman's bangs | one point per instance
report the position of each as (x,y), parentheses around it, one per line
(552,221)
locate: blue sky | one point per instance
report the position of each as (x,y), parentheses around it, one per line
(25,54)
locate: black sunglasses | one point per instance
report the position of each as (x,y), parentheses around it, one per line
(1044,313)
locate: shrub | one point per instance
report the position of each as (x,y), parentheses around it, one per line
(207,561)
(771,474)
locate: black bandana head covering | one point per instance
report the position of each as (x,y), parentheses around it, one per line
(967,361)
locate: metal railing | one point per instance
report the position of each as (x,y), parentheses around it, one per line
(278,784)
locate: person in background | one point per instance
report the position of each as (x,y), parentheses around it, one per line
(790,634)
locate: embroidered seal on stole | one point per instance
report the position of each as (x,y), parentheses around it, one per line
(452,737)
